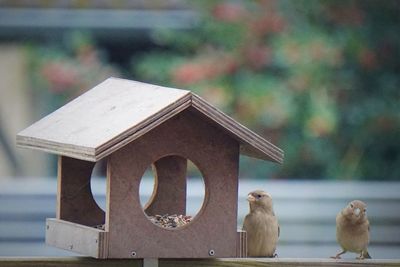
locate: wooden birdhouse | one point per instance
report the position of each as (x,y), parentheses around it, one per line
(133,125)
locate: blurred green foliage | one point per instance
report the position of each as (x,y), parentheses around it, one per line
(318,78)
(62,71)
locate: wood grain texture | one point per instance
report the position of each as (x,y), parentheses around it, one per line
(76,237)
(263,262)
(188,136)
(75,202)
(280,262)
(101,117)
(169,195)
(242,244)
(67,262)
(118,111)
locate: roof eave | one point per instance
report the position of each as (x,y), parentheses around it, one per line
(83,153)
(252,144)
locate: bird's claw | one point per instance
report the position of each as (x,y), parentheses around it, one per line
(337,257)
(360,258)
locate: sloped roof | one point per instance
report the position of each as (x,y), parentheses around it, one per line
(117,111)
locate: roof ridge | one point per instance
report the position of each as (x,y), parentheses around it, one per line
(118,111)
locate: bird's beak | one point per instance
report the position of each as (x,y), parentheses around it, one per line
(357,212)
(250,198)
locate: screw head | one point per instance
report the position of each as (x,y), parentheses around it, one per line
(211,252)
(133,254)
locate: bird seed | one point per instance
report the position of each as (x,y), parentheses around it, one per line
(165,221)
(170,221)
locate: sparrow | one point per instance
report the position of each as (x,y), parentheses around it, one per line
(261,225)
(352,229)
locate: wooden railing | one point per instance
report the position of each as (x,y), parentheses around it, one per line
(259,262)
(306,212)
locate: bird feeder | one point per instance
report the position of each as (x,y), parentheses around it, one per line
(133,125)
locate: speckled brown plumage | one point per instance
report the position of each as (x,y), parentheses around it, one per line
(261,225)
(352,229)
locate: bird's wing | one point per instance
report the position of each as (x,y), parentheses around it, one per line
(245,222)
(367,223)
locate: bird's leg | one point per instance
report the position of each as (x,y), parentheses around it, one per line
(361,257)
(366,254)
(338,255)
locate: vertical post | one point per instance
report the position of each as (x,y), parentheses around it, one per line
(169,194)
(75,201)
(150,262)
(241,246)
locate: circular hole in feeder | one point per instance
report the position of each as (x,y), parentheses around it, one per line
(146,186)
(172,192)
(98,183)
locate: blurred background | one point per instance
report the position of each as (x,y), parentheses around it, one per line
(320,79)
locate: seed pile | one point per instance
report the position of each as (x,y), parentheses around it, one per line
(170,221)
(166,221)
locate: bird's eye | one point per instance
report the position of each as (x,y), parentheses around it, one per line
(259,196)
(351,205)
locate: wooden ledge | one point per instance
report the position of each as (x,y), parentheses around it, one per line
(250,262)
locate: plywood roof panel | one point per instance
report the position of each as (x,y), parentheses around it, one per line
(118,111)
